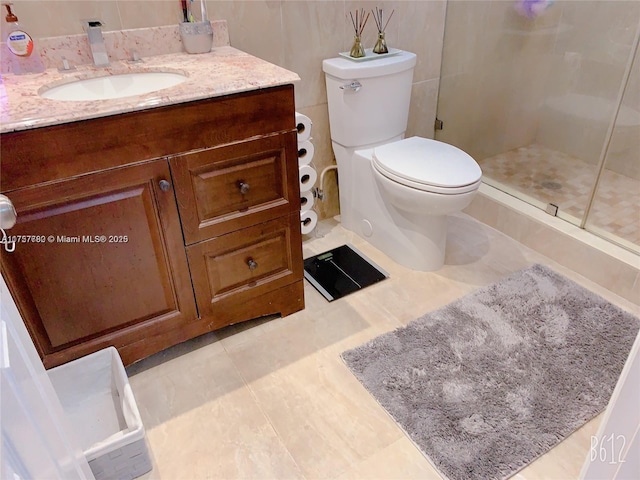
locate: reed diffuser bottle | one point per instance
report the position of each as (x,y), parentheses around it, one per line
(381,43)
(358,26)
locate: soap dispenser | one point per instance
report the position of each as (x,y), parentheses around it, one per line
(20,46)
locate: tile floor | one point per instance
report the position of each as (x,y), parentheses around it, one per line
(271,399)
(551,176)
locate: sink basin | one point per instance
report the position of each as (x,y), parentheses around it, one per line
(113,86)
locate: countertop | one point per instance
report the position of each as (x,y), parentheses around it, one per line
(225,70)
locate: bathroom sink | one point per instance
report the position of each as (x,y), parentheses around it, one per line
(112,86)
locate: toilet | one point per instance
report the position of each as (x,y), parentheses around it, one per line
(395,192)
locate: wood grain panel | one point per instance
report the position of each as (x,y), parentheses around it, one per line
(208,185)
(219,267)
(53,153)
(113,259)
(230,271)
(219,190)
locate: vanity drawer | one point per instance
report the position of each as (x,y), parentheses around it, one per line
(233,269)
(226,188)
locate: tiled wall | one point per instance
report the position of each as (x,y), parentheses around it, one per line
(494,74)
(296,35)
(593,44)
(509,81)
(623,155)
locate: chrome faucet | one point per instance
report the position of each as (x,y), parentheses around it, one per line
(96,42)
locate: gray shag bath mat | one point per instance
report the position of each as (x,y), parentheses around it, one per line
(488,383)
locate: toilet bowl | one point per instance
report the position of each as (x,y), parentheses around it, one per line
(394,192)
(403,210)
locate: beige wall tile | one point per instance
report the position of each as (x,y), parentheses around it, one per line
(420,28)
(313,31)
(601,31)
(623,155)
(591,51)
(254,26)
(422,112)
(152,13)
(456,107)
(504,67)
(465,41)
(49,19)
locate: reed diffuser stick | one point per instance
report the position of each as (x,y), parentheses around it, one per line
(378,16)
(359,22)
(385,25)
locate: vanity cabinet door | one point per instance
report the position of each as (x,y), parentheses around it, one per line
(233,186)
(111,268)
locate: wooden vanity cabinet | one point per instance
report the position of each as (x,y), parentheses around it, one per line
(168,223)
(108,266)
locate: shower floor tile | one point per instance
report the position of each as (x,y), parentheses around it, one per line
(550,176)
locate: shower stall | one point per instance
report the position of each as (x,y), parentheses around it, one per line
(548,102)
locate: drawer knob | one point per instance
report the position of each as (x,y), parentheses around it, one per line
(252,264)
(244,187)
(164,185)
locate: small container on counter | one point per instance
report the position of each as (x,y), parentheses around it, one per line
(197,37)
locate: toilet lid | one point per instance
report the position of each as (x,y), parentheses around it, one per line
(428,165)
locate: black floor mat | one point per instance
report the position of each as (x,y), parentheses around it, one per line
(341,271)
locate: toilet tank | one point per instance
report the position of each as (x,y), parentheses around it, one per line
(378,110)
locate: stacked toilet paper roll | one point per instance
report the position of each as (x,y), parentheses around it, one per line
(308,221)
(305,152)
(303,125)
(306,201)
(307,174)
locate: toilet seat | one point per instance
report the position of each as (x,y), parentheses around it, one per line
(428,165)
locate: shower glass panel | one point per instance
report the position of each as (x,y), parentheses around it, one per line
(532,95)
(615,212)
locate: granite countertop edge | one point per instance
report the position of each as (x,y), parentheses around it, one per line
(223,71)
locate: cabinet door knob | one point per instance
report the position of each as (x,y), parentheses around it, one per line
(165,186)
(244,187)
(252,264)
(8,215)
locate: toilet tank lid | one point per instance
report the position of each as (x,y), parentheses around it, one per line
(346,69)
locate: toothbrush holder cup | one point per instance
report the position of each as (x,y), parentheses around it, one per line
(197,37)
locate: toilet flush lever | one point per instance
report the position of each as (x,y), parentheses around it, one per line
(355,86)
